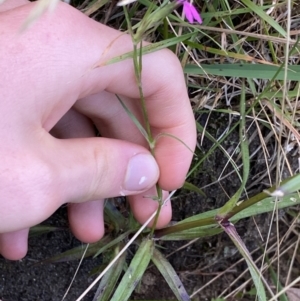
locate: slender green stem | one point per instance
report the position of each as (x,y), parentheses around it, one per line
(137,62)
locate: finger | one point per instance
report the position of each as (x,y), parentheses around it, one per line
(98,168)
(73,125)
(13,245)
(143,206)
(111,120)
(10,4)
(86,219)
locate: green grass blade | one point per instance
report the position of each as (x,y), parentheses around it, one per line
(108,282)
(150,48)
(192,187)
(227,208)
(135,271)
(290,186)
(216,143)
(134,120)
(41,229)
(276,282)
(204,231)
(258,10)
(254,271)
(203,224)
(113,242)
(267,205)
(76,253)
(170,276)
(245,71)
(93,6)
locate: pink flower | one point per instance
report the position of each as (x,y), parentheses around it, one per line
(190,11)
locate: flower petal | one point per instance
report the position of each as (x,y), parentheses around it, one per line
(187,11)
(195,14)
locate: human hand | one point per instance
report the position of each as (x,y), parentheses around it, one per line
(48,83)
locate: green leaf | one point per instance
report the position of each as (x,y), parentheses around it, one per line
(108,282)
(267,205)
(254,271)
(135,271)
(113,242)
(76,253)
(288,187)
(170,276)
(192,187)
(39,230)
(204,224)
(245,71)
(204,231)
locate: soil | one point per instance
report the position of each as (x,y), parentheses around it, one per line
(196,264)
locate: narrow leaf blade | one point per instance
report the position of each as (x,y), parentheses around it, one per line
(170,276)
(254,271)
(227,208)
(135,271)
(109,280)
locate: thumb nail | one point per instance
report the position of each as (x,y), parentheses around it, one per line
(142,172)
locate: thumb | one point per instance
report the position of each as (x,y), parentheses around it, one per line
(97,168)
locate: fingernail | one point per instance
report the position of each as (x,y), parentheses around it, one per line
(142,172)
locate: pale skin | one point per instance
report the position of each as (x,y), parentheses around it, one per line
(51,99)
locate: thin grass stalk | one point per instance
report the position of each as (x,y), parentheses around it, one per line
(137,62)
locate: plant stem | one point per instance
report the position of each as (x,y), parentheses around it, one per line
(137,61)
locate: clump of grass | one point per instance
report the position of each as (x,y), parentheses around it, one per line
(241,63)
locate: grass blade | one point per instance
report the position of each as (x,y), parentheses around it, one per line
(109,280)
(258,10)
(170,276)
(135,271)
(76,253)
(276,282)
(134,120)
(227,208)
(245,71)
(149,49)
(199,225)
(110,244)
(290,186)
(192,187)
(39,9)
(41,229)
(254,271)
